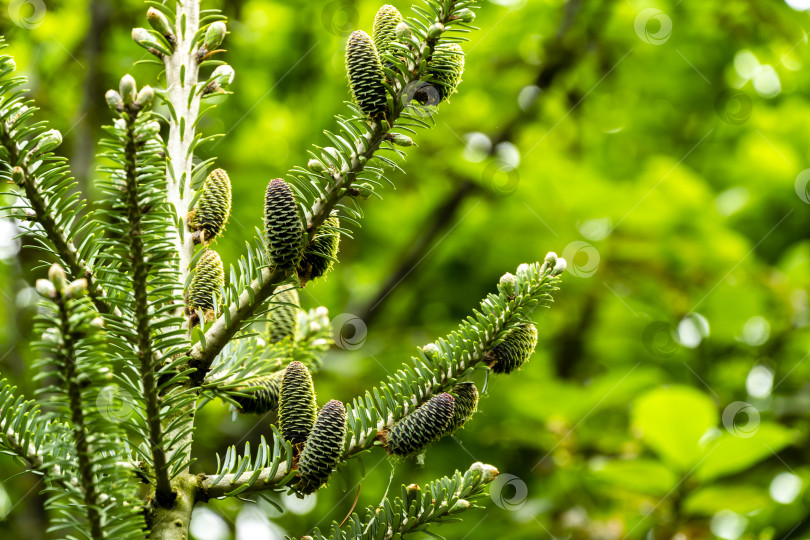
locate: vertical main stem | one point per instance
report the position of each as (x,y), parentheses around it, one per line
(182,70)
(140,278)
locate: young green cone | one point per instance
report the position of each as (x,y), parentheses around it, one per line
(465,403)
(385,28)
(297,409)
(264,397)
(282,225)
(213,207)
(321,253)
(209,276)
(445,68)
(423,426)
(323,448)
(514,350)
(366,74)
(284,316)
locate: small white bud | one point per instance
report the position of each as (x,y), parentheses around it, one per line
(435,30)
(114,100)
(523,270)
(58,277)
(127,89)
(465,15)
(145,97)
(403,30)
(507,284)
(45,288)
(223,75)
(76,289)
(488,472)
(214,36)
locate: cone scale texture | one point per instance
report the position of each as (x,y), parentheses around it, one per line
(297,409)
(514,350)
(284,315)
(319,256)
(282,224)
(385,28)
(265,399)
(323,448)
(426,424)
(214,206)
(366,74)
(445,68)
(208,278)
(465,403)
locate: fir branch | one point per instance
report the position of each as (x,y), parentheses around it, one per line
(80,431)
(29,453)
(142,275)
(23,429)
(243,373)
(436,370)
(190,38)
(367,137)
(26,159)
(440,365)
(439,502)
(270,470)
(140,281)
(81,462)
(262,479)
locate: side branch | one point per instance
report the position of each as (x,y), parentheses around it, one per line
(268,479)
(163,488)
(24,431)
(81,434)
(365,147)
(29,453)
(225,328)
(43,210)
(437,370)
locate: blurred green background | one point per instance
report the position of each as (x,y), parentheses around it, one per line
(662,147)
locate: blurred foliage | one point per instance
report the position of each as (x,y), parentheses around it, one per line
(659,146)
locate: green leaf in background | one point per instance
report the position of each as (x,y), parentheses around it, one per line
(731,453)
(637,475)
(672,421)
(737,498)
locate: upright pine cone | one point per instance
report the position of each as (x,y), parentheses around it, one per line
(385,28)
(282,225)
(284,316)
(366,74)
(465,396)
(445,68)
(214,205)
(323,448)
(321,253)
(296,407)
(423,426)
(514,350)
(265,397)
(209,276)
